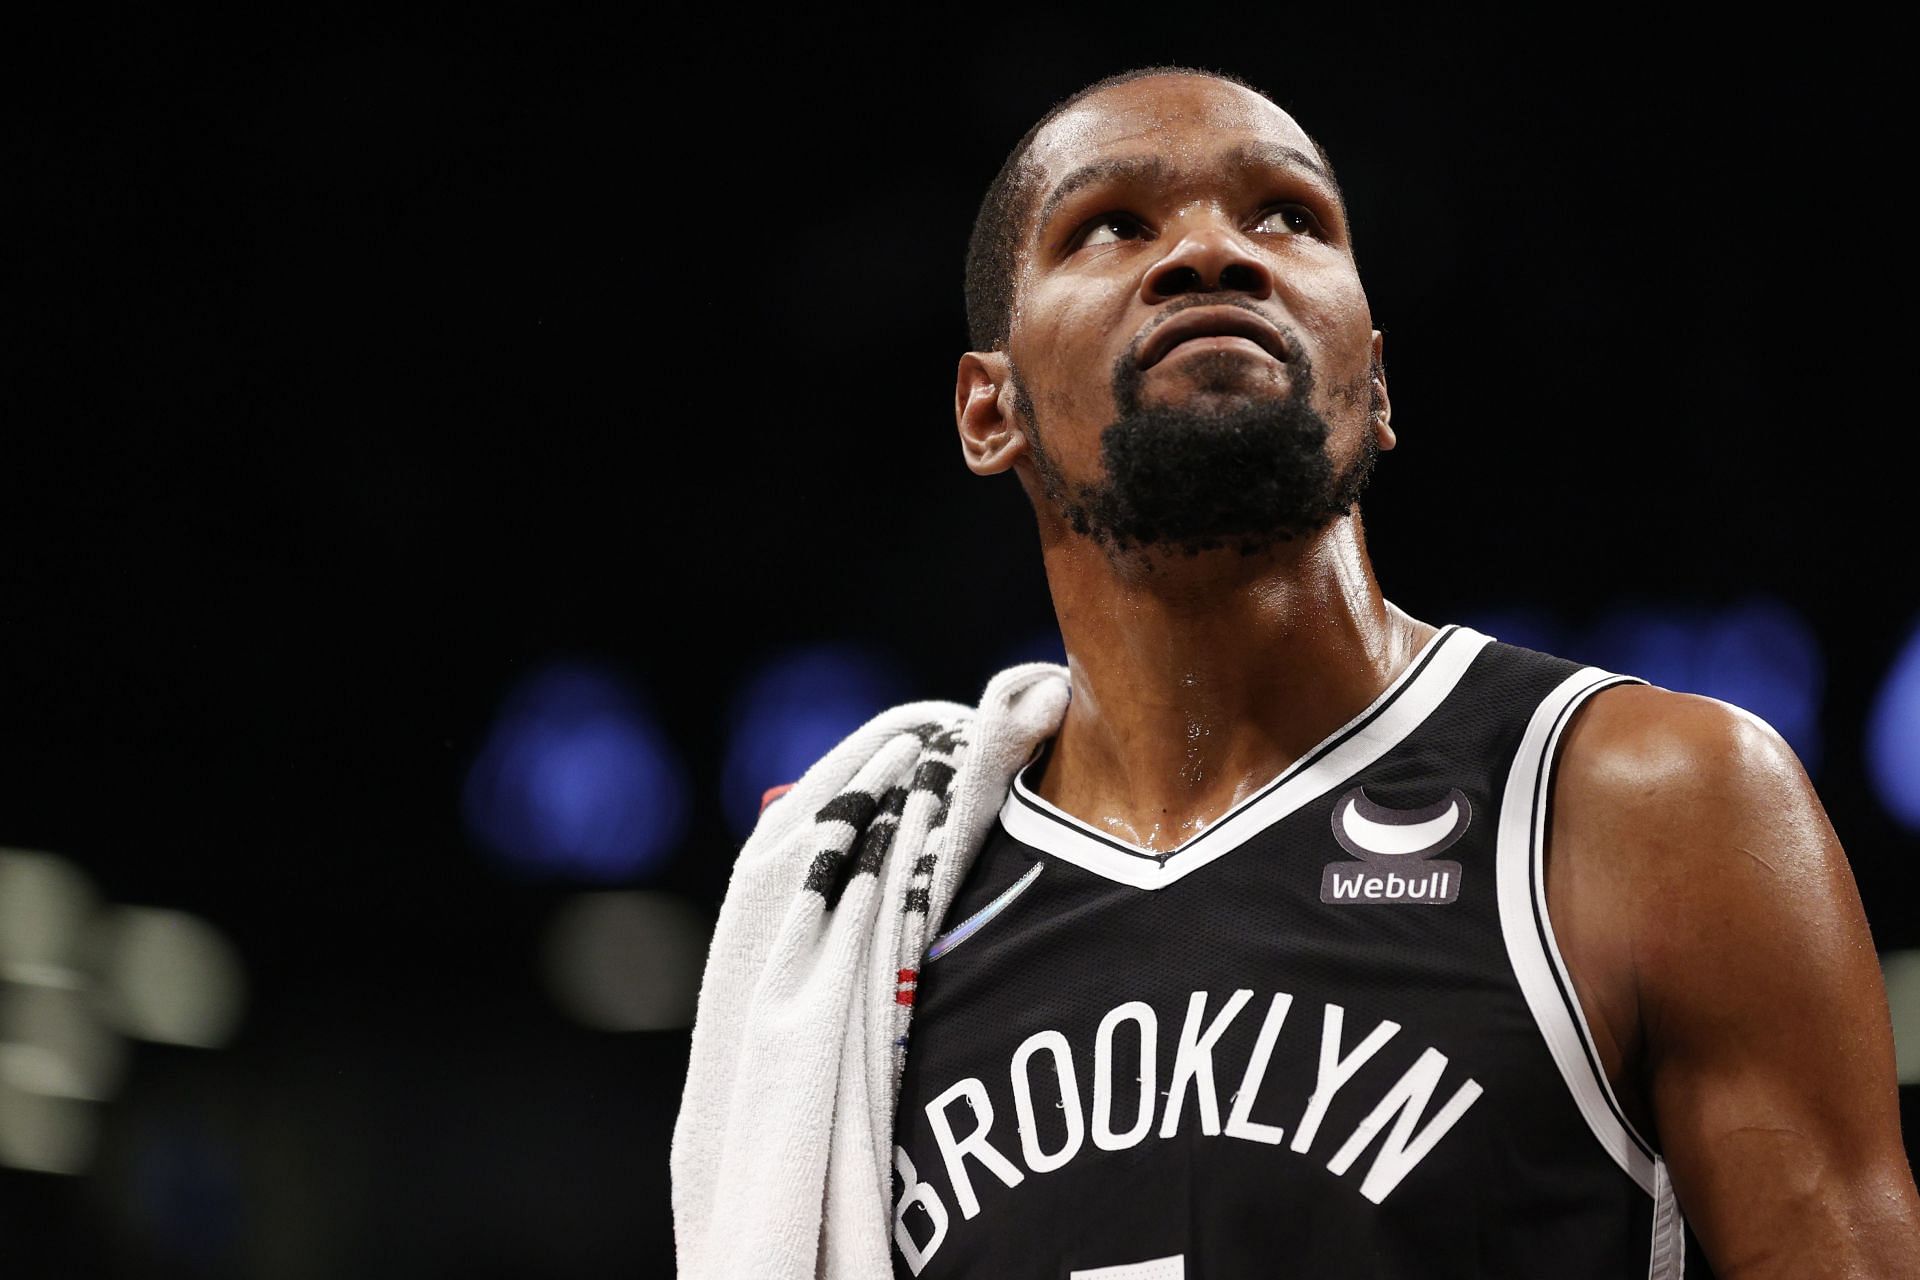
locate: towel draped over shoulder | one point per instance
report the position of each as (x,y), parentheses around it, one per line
(782,1151)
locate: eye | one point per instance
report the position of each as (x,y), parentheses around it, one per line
(1287,219)
(1111,228)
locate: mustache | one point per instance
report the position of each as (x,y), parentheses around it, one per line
(1127,374)
(1190,301)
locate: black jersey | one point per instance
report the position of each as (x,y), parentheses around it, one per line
(1329,1036)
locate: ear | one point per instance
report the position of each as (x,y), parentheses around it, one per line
(1383,421)
(991,434)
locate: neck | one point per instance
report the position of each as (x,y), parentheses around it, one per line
(1196,680)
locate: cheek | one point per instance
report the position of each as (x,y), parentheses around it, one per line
(1068,332)
(1333,311)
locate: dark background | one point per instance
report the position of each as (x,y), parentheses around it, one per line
(352,374)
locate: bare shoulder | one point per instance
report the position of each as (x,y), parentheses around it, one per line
(1674,783)
(1698,842)
(1724,940)
(1644,744)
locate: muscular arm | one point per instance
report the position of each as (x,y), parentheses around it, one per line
(1715,936)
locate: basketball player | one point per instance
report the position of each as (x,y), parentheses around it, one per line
(1322,941)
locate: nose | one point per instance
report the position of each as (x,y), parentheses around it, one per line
(1210,258)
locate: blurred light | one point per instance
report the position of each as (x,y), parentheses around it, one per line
(1534,629)
(52,1044)
(44,904)
(1760,655)
(1893,736)
(1763,656)
(1656,645)
(575,779)
(794,711)
(628,961)
(47,1135)
(1901,969)
(1041,646)
(169,977)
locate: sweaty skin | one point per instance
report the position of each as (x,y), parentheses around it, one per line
(1703,905)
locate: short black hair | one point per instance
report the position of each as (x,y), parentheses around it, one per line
(993,250)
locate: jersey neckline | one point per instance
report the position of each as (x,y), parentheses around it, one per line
(1397,712)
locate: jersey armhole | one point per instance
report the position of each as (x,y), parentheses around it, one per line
(1528,931)
(1520,869)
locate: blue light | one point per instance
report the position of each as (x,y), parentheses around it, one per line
(1763,656)
(792,712)
(1893,736)
(1759,655)
(1529,628)
(1041,646)
(1659,646)
(575,780)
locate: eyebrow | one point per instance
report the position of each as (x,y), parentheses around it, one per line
(1275,155)
(1141,169)
(1121,169)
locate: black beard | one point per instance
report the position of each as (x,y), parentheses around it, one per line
(1248,474)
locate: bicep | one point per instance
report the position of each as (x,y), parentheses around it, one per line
(1769,1055)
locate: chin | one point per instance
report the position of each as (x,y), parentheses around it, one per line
(1209,400)
(1225,378)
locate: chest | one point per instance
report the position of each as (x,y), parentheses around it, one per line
(1334,1028)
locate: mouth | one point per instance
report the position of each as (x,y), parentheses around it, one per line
(1212,322)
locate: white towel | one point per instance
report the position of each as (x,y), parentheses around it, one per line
(783,1150)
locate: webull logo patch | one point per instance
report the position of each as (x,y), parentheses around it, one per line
(1396,849)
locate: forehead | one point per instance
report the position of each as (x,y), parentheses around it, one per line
(1185,119)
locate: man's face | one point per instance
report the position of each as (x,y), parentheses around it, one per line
(1191,346)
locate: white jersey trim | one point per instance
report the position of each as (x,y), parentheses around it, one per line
(1535,954)
(1667,1259)
(1386,722)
